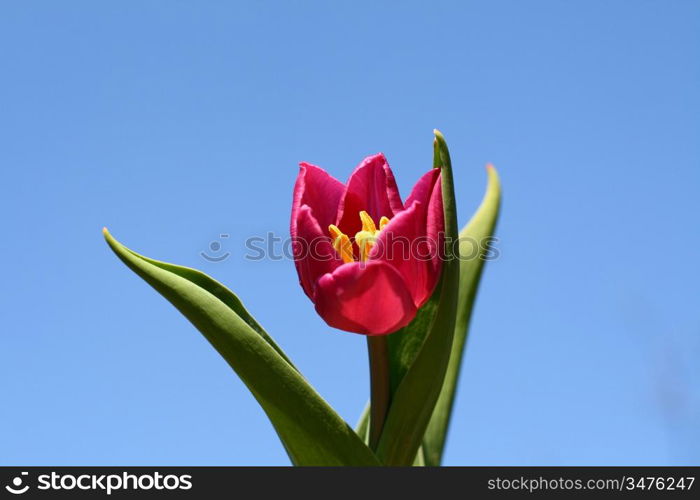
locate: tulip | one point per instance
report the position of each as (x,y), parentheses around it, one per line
(367,260)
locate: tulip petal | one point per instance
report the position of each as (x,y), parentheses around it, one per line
(372,188)
(423,188)
(369,298)
(318,190)
(412,240)
(428,190)
(314,254)
(399,245)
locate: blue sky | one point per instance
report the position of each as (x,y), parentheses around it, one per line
(175,122)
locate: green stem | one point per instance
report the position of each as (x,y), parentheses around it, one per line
(380,390)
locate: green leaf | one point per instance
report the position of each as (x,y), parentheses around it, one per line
(418,391)
(220,292)
(312,433)
(362,426)
(474,240)
(405,344)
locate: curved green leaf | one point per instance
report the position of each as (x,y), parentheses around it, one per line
(362,426)
(474,239)
(220,292)
(312,433)
(418,391)
(405,344)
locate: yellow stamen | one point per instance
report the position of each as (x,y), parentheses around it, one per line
(383,222)
(365,238)
(367,222)
(365,242)
(335,232)
(341,243)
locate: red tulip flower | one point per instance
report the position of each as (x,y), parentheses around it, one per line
(367,260)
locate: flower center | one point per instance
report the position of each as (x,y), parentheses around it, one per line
(364,238)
